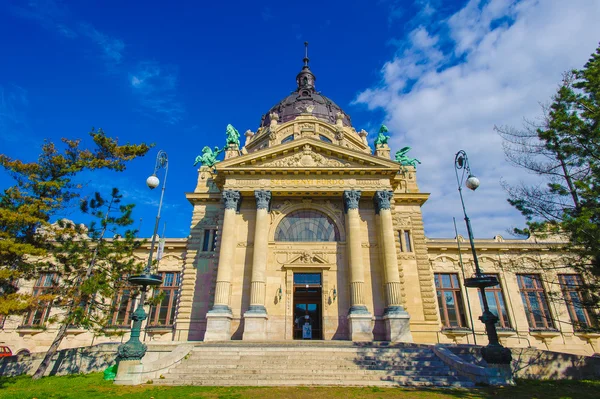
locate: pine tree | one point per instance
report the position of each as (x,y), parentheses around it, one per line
(42,189)
(565,151)
(90,269)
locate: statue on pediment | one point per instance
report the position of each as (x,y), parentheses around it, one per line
(208,157)
(233,136)
(382,139)
(404,160)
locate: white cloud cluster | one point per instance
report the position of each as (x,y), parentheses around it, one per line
(490,63)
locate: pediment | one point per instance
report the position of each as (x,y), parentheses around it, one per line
(307,260)
(307,153)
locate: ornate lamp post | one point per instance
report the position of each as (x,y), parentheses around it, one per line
(134,349)
(494,352)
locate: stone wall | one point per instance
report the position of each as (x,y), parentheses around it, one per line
(534,364)
(67,361)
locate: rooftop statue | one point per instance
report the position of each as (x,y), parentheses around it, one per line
(208,157)
(233,136)
(403,160)
(382,139)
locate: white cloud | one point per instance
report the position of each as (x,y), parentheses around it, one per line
(112,48)
(156,86)
(491,63)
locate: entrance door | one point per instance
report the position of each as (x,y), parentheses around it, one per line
(307,306)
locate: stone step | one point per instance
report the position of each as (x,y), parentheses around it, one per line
(323,355)
(308,382)
(310,371)
(301,379)
(272,363)
(308,349)
(319,364)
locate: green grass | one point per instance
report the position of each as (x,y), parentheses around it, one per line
(92,386)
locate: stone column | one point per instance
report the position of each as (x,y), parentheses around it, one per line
(255,319)
(359,318)
(218,320)
(395,317)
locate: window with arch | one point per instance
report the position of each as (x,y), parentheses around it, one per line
(307,225)
(288,139)
(325,138)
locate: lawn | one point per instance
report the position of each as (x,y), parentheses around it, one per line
(92,386)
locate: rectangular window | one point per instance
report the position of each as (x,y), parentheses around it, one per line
(122,307)
(497,304)
(405,241)
(535,302)
(163,314)
(209,242)
(450,301)
(38,316)
(571,285)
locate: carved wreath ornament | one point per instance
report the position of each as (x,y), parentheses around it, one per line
(306,158)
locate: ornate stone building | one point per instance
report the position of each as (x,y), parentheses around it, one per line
(306,232)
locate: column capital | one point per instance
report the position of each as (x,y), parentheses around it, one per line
(351,198)
(231,198)
(263,198)
(382,200)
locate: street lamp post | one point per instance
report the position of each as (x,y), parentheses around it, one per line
(134,349)
(494,352)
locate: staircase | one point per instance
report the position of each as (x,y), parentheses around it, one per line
(312,363)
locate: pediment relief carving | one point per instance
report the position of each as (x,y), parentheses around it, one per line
(306,158)
(308,152)
(307,257)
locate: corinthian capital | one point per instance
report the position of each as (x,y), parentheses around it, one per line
(231,198)
(382,200)
(351,198)
(263,197)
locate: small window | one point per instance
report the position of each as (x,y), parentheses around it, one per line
(209,242)
(288,139)
(405,241)
(307,278)
(325,138)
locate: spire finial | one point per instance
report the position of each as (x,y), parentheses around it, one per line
(305,54)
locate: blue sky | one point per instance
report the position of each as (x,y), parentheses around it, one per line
(439,74)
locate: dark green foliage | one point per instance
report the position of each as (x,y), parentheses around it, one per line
(564,149)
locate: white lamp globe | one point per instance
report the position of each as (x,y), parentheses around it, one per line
(152,182)
(472,182)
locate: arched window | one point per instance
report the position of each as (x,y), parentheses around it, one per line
(324,138)
(307,225)
(288,139)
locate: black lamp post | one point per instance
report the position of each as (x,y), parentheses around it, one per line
(134,349)
(494,352)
